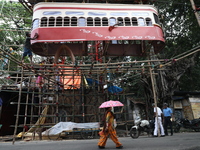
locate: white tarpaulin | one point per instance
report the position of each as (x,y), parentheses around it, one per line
(67,126)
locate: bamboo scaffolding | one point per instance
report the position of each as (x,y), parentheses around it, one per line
(94,71)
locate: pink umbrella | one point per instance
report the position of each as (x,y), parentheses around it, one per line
(111,103)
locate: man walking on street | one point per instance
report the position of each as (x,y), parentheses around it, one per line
(168,114)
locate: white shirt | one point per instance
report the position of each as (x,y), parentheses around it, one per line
(159,111)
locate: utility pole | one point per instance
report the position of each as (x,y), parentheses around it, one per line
(195,12)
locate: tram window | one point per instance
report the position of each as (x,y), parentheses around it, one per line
(114,41)
(66,21)
(148,22)
(97,21)
(73,21)
(51,21)
(126,42)
(141,22)
(74,13)
(127,21)
(52,13)
(89,21)
(134,21)
(120,21)
(105,21)
(35,24)
(59,21)
(112,21)
(97,14)
(156,18)
(120,42)
(43,22)
(119,14)
(81,22)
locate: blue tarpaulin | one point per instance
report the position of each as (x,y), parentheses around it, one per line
(111,88)
(114,89)
(91,81)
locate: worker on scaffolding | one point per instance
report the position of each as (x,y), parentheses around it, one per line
(27,46)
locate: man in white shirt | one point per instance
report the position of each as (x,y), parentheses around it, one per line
(158,121)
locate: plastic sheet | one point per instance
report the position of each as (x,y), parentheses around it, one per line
(68,126)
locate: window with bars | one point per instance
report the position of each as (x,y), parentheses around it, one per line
(43,22)
(148,22)
(51,22)
(66,21)
(59,21)
(97,21)
(120,21)
(90,21)
(104,21)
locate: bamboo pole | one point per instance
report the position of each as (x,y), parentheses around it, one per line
(57,102)
(155,97)
(83,98)
(195,12)
(153,83)
(32,105)
(18,109)
(26,107)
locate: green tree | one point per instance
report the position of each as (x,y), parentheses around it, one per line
(15,21)
(181,34)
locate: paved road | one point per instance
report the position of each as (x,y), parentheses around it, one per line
(179,141)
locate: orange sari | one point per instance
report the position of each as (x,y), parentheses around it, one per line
(109,132)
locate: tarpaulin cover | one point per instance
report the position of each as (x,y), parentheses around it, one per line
(71,79)
(91,81)
(67,126)
(114,89)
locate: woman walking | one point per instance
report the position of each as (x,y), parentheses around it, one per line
(108,130)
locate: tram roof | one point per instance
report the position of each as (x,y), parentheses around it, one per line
(103,6)
(29,4)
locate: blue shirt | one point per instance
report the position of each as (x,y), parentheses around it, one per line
(167,112)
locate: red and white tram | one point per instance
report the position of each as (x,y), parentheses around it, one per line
(124,29)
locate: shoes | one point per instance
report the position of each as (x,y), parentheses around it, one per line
(120,147)
(101,147)
(154,136)
(162,135)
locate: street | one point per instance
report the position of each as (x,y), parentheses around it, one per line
(179,141)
